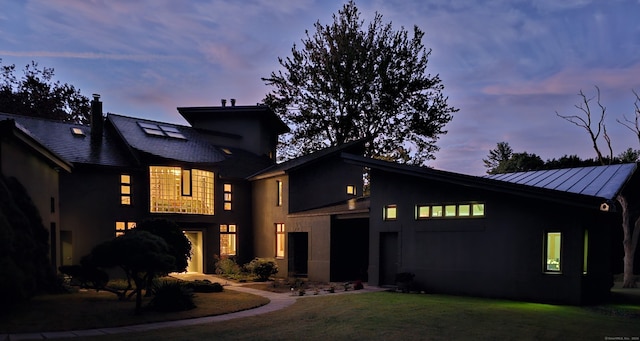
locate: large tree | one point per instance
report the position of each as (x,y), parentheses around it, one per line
(37,94)
(350,82)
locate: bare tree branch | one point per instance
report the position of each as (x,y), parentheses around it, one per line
(634,125)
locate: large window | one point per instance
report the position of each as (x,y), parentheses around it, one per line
(176,190)
(228,240)
(125,189)
(280,240)
(553,249)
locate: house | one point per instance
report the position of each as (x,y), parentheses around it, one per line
(38,169)
(538,236)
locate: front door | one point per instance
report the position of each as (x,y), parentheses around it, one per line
(195,263)
(388,257)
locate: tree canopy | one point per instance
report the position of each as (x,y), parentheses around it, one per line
(179,245)
(36,94)
(350,82)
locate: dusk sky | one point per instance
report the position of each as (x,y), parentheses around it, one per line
(508,65)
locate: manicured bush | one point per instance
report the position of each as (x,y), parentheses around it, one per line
(263,268)
(171,296)
(204,286)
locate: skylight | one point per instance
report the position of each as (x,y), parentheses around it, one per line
(77,131)
(161,130)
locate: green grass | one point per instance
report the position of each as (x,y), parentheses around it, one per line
(393,316)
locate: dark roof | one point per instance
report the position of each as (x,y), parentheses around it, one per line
(611,180)
(9,128)
(290,165)
(77,149)
(597,181)
(262,112)
(192,148)
(354,206)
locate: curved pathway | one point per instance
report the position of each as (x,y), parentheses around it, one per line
(277,301)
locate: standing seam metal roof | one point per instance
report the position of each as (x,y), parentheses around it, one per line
(597,181)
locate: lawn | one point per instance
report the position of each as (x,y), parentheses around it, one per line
(89,309)
(392,316)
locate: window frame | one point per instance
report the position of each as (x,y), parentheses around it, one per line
(279,191)
(433,209)
(387,210)
(546,252)
(230,232)
(280,240)
(125,189)
(227,196)
(126,226)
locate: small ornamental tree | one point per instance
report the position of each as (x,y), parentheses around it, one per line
(263,268)
(140,254)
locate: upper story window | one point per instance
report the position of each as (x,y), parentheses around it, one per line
(227,196)
(464,210)
(390,212)
(125,189)
(351,190)
(177,190)
(279,193)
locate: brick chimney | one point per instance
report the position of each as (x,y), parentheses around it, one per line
(97,121)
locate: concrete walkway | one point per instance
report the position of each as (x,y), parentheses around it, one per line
(277,301)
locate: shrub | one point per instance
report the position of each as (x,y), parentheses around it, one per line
(204,286)
(226,265)
(358,285)
(171,296)
(263,268)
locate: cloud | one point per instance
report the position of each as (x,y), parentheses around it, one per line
(88,55)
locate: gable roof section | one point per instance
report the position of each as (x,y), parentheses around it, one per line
(57,137)
(305,160)
(192,148)
(597,181)
(9,128)
(587,188)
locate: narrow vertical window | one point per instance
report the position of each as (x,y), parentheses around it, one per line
(125,189)
(227,197)
(351,190)
(186,182)
(586,252)
(280,240)
(228,240)
(390,212)
(279,193)
(553,249)
(53,205)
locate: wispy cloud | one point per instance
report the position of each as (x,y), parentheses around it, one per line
(88,55)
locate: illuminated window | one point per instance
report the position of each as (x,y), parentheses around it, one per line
(125,189)
(228,240)
(464,210)
(450,210)
(124,226)
(280,240)
(422,211)
(478,210)
(585,252)
(75,131)
(167,194)
(279,193)
(436,211)
(227,197)
(351,190)
(186,182)
(390,212)
(553,249)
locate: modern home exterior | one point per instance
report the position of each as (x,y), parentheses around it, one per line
(540,236)
(509,236)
